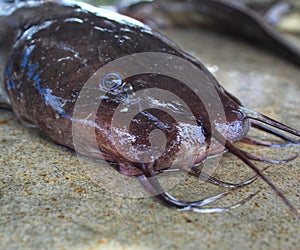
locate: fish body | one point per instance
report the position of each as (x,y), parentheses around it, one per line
(52,57)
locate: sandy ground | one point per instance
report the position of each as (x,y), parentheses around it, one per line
(48,199)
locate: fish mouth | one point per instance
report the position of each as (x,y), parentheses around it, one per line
(150,182)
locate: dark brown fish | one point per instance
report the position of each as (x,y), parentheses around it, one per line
(50,51)
(234,17)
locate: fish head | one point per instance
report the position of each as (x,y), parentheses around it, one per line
(151,118)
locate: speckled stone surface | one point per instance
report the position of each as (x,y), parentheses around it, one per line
(49,201)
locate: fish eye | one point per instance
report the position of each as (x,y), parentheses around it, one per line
(111,81)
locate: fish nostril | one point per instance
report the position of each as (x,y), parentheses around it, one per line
(204,129)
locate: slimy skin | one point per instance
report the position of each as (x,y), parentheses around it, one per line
(49,63)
